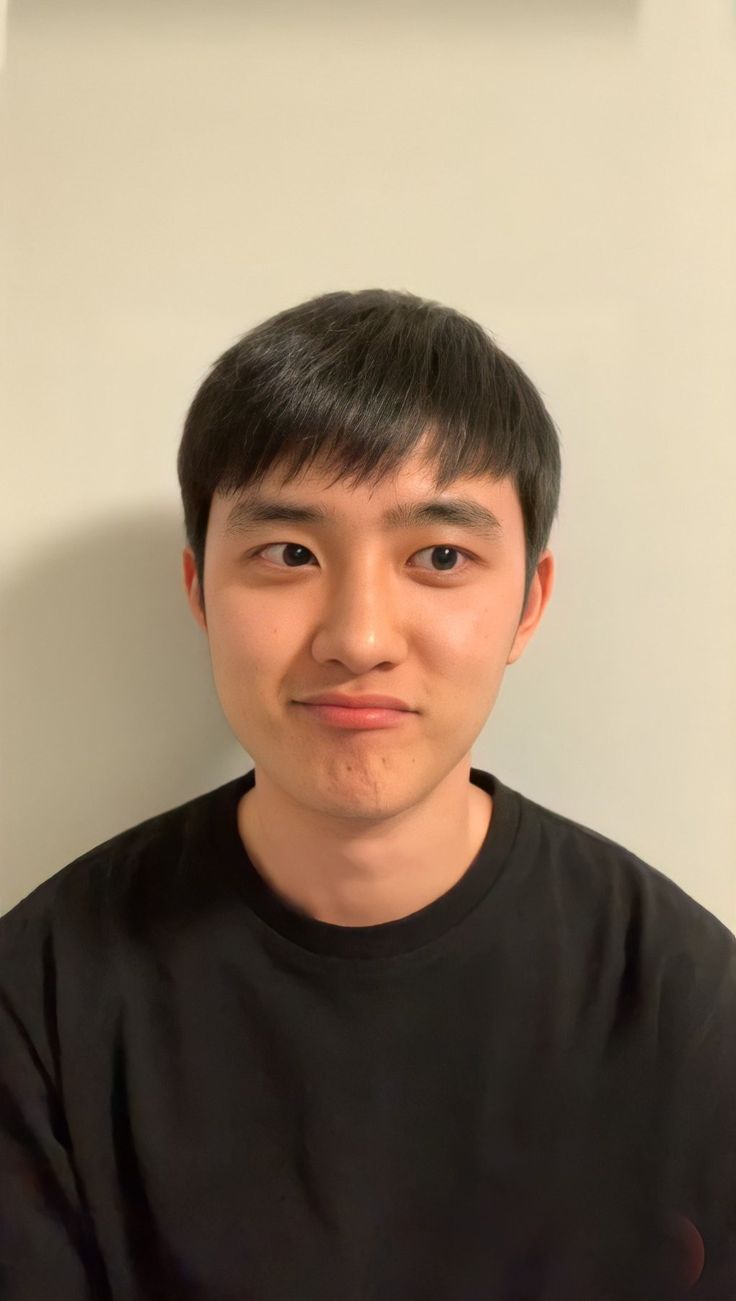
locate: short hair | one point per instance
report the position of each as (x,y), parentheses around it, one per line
(353,380)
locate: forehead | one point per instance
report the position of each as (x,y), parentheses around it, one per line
(484,508)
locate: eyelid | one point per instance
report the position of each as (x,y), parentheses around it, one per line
(437,573)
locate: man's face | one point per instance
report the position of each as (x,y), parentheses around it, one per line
(352,605)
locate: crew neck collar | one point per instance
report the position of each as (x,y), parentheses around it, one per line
(385,939)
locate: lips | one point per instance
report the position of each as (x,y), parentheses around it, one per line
(357,702)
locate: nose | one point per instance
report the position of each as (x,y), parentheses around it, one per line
(359,620)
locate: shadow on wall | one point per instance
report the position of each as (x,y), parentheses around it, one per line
(108,707)
(507,13)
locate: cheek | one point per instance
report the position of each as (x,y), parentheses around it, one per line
(246,635)
(478,638)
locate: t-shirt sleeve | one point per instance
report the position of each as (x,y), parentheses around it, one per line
(47,1247)
(704,1130)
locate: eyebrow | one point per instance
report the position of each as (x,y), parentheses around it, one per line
(461,512)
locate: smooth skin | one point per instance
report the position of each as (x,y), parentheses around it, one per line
(361,827)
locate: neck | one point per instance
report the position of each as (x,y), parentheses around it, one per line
(350,872)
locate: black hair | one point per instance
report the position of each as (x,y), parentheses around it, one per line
(353,380)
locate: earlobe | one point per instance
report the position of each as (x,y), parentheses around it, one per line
(539,594)
(516,650)
(199,613)
(192,588)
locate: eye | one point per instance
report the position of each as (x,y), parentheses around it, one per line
(446,556)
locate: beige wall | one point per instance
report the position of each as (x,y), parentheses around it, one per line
(563,171)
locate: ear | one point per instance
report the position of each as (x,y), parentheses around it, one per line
(193,589)
(539,594)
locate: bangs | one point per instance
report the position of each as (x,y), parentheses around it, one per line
(357,394)
(352,384)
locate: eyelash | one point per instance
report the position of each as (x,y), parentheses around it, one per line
(435,573)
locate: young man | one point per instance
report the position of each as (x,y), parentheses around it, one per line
(365,1023)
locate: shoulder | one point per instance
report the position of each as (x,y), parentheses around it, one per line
(70,945)
(631,905)
(80,901)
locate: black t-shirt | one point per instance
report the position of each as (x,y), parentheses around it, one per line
(525,1091)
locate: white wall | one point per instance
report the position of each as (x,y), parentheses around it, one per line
(564,171)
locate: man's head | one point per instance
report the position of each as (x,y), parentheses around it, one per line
(357,406)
